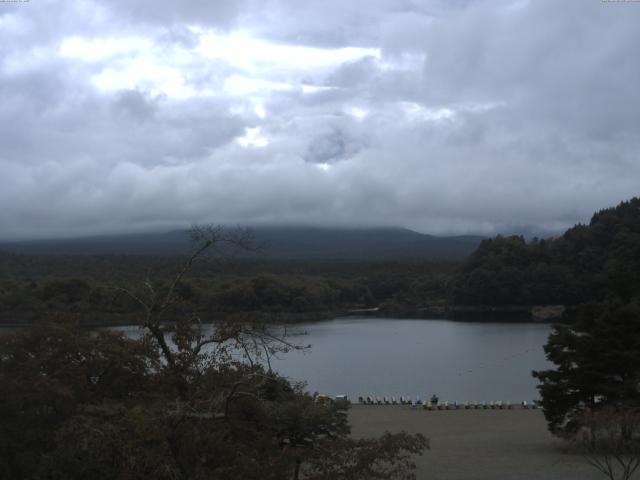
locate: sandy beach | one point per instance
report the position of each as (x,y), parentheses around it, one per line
(478,444)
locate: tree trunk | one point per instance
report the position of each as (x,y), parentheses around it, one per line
(296,472)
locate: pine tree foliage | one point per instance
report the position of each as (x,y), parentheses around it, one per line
(597,360)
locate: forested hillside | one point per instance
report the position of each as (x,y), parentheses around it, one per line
(300,273)
(589,262)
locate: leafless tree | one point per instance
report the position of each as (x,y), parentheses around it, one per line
(611,439)
(181,337)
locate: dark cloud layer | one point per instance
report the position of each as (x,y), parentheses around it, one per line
(447,117)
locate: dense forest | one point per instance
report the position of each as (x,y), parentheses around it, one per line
(89,286)
(589,262)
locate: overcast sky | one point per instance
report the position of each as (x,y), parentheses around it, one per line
(445,116)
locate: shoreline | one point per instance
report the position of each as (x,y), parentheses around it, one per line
(318,317)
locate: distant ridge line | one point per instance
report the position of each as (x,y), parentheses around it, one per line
(282,243)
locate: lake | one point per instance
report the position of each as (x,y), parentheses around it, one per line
(392,356)
(456,360)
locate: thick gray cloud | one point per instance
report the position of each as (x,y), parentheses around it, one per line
(447,117)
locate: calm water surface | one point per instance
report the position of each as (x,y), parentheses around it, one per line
(457,360)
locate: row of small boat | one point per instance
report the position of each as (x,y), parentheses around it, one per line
(445,405)
(385,400)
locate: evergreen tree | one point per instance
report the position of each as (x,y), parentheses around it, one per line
(597,358)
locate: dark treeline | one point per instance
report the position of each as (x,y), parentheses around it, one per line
(87,286)
(587,263)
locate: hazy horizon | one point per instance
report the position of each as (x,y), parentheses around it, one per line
(526,232)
